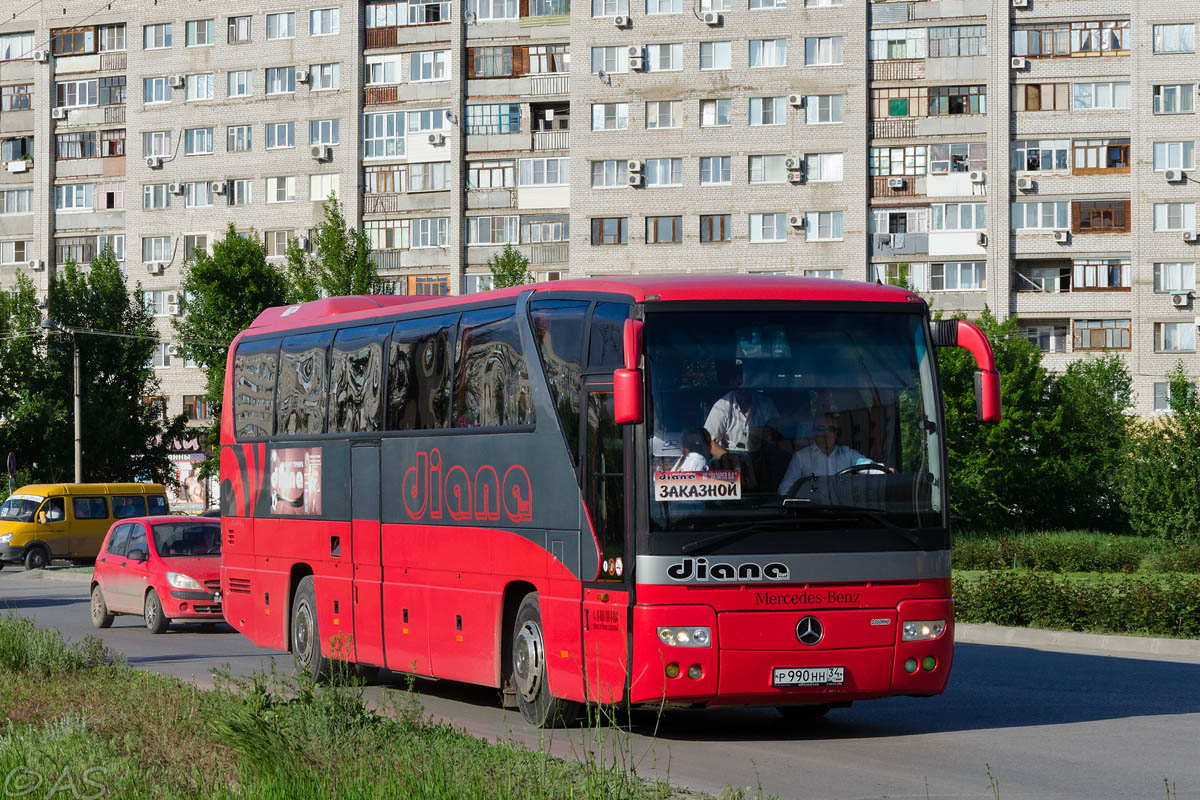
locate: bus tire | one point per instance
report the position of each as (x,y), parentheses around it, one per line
(156,620)
(36,557)
(101,618)
(306,636)
(538,706)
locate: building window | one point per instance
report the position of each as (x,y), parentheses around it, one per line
(74,197)
(715,228)
(155,196)
(948,100)
(958,217)
(611,59)
(610,8)
(768,111)
(910,101)
(156,143)
(490,62)
(716,55)
(768,169)
(80,249)
(156,248)
(664,230)
(198,32)
(664,171)
(387,234)
(281,25)
(240,83)
(433,119)
(382,70)
(666,57)
(610,116)
(16,201)
(157,36)
(544,171)
(112,143)
(240,29)
(325,77)
(16,97)
(324,21)
(610,174)
(1100,216)
(829,274)
(822,51)
(14,252)
(1175,38)
(110,196)
(954,276)
(277,242)
(1174,216)
(957,40)
(1100,96)
(239,139)
(74,145)
(1058,39)
(823,167)
(716,112)
(280,135)
(666,6)
(899,220)
(196,407)
(945,159)
(1176,98)
(492,9)
(768,52)
(324,131)
(323,187)
(428,13)
(1174,276)
(1046,338)
(1102,334)
(548,58)
(823,226)
(663,114)
(768,227)
(715,171)
(281,80)
(197,194)
(1174,155)
(897,43)
(1042,97)
(1097,156)
(716,5)
(73,41)
(492,230)
(76,94)
(387,179)
(1046,216)
(1162,396)
(197,141)
(15,46)
(432,65)
(16,148)
(383,134)
(241,192)
(1044,155)
(429,177)
(1101,273)
(112,90)
(156,90)
(493,119)
(823,109)
(1175,337)
(430,232)
(281,189)
(610,230)
(160,359)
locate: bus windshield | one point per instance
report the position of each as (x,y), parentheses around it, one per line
(792,431)
(20,507)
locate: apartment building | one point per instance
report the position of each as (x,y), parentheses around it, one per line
(1035,156)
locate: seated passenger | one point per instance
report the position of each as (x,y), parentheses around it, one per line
(824,457)
(694,448)
(732,417)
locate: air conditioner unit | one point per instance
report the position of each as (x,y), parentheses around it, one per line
(796,100)
(634,179)
(302,76)
(1173,175)
(1024,184)
(712,18)
(895,183)
(41,56)
(173,349)
(154,162)
(981,239)
(1019,62)
(636,62)
(796,220)
(155,267)
(36,264)
(218,187)
(795,176)
(1020,3)
(633,166)
(172,299)
(302,243)
(321,152)
(1181,299)
(437,139)
(978,176)
(41,302)
(1189,237)
(175,188)
(621,21)
(1062,237)
(176,81)
(793,162)
(58,113)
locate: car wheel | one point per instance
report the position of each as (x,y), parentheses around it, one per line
(306,636)
(36,558)
(156,620)
(101,618)
(538,706)
(802,713)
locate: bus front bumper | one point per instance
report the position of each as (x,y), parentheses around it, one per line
(11,554)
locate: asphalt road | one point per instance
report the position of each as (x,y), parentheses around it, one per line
(1048,723)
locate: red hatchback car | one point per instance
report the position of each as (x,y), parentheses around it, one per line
(164,568)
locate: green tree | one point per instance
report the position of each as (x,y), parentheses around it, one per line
(1160,484)
(27,411)
(223,293)
(340,264)
(509,268)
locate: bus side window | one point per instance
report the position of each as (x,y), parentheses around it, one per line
(302,395)
(420,367)
(558,327)
(255,368)
(606,350)
(492,382)
(356,379)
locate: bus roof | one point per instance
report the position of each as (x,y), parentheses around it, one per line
(641,288)
(49,489)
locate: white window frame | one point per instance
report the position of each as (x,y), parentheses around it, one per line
(823,51)
(1174,155)
(282,19)
(759,226)
(813,110)
(619,116)
(1187,217)
(324,21)
(817,220)
(281,189)
(721,165)
(719,55)
(654,114)
(771,53)
(824,167)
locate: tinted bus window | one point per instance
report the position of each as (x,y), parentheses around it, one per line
(558,327)
(129,506)
(302,397)
(158,505)
(607,348)
(89,507)
(492,386)
(356,379)
(420,364)
(255,368)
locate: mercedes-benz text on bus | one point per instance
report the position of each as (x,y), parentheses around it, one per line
(681,491)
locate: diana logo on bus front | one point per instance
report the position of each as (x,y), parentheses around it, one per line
(699,570)
(431,489)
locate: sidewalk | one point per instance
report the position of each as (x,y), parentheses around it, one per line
(1096,643)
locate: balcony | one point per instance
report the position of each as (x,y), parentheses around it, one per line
(381,203)
(550,140)
(383,37)
(549,84)
(374,95)
(545,254)
(114,115)
(881,188)
(387,259)
(890,245)
(895,127)
(112,61)
(905,69)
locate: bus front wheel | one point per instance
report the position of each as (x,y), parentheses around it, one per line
(538,706)
(306,636)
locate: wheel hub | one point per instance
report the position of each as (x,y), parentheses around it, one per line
(528,660)
(303,633)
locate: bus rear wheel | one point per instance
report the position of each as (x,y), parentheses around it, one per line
(306,636)
(538,706)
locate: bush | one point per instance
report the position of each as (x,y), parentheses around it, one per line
(1157,606)
(1185,559)
(1050,553)
(27,648)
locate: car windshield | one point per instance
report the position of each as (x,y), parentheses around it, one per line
(20,507)
(791,421)
(187,539)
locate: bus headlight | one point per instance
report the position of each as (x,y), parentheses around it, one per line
(685,637)
(923,629)
(5,538)
(181,581)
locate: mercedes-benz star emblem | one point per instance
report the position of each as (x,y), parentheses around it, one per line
(809,631)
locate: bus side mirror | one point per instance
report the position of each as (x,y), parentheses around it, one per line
(960,333)
(627,382)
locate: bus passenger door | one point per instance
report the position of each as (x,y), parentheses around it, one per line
(365,552)
(605,599)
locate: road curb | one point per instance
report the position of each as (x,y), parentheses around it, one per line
(54,575)
(1092,642)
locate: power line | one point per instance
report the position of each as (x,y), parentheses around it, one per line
(112,334)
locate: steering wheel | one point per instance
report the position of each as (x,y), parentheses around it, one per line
(868,466)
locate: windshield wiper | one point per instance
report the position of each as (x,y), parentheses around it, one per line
(853,512)
(741,529)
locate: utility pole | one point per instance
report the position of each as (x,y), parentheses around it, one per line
(50,326)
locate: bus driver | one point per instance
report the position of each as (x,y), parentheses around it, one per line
(824,457)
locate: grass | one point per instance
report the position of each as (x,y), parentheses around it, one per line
(77,712)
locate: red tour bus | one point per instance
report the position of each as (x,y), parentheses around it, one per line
(686,491)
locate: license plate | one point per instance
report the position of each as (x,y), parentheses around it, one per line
(808,676)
